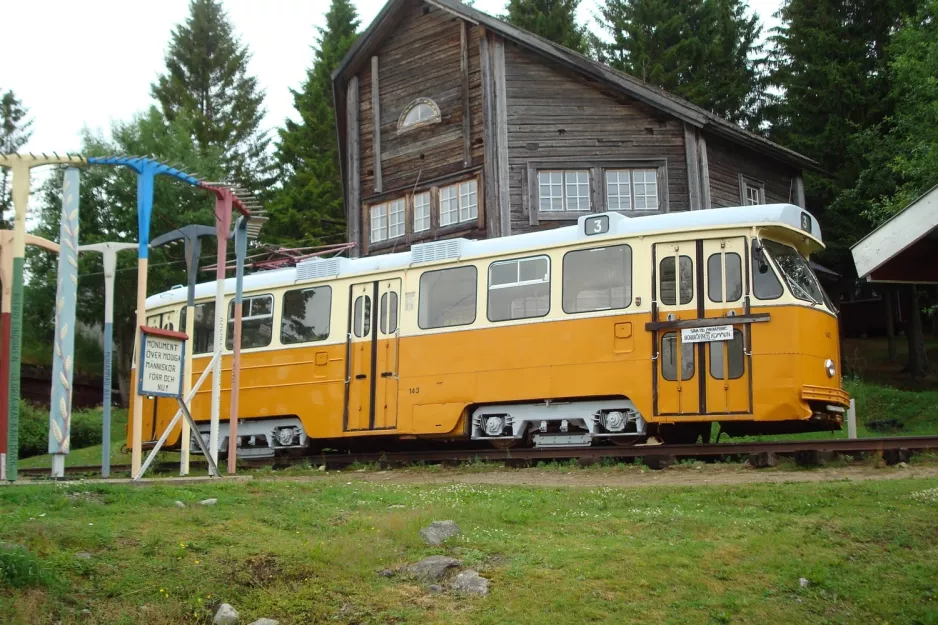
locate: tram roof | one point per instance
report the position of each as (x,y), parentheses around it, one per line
(784,215)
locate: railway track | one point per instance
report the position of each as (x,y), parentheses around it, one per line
(892,447)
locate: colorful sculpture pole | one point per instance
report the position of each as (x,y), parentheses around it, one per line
(20,164)
(63,356)
(192,235)
(241,249)
(146,170)
(109,260)
(6,278)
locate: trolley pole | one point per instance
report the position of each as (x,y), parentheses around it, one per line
(147,170)
(109,253)
(20,165)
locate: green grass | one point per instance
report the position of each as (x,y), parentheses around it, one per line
(309,552)
(90,455)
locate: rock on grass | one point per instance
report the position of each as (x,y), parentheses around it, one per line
(265,621)
(471,583)
(438,531)
(432,569)
(226,615)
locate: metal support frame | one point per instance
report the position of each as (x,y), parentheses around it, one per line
(241,246)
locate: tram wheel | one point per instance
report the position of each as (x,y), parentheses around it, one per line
(503,443)
(626,441)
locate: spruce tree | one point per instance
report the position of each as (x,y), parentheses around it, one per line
(15,130)
(706,51)
(554,20)
(309,206)
(207,80)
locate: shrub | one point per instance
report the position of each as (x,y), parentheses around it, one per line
(20,568)
(34,429)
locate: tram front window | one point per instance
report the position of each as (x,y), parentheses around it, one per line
(801,281)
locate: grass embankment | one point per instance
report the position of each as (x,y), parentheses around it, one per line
(309,552)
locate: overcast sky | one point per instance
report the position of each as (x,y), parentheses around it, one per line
(89,63)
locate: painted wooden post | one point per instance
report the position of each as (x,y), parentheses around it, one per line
(222,223)
(109,253)
(241,246)
(63,355)
(20,164)
(146,170)
(192,235)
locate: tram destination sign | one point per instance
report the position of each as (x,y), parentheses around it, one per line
(162,359)
(707,335)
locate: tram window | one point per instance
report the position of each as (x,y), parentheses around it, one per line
(734,350)
(447,298)
(734,278)
(305,316)
(519,289)
(362,322)
(669,358)
(257,322)
(669,282)
(765,284)
(204,340)
(597,279)
(389,313)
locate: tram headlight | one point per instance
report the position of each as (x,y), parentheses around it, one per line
(830,368)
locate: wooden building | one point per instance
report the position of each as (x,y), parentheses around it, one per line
(454,123)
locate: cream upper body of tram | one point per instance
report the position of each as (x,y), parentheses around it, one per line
(612,329)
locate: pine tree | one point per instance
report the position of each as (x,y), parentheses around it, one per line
(554,20)
(309,206)
(15,130)
(706,51)
(207,80)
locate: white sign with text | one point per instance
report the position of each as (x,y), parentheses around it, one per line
(707,335)
(162,365)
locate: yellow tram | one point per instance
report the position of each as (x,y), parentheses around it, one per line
(611,330)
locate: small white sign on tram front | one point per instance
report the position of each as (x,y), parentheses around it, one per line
(707,335)
(161,364)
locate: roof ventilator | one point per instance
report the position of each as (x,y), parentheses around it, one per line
(437,250)
(320,268)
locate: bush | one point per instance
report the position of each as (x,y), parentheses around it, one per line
(34,429)
(20,568)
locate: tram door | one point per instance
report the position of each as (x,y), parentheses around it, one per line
(386,382)
(361,362)
(676,299)
(727,376)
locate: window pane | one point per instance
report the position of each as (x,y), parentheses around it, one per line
(361,324)
(379,223)
(714,278)
(753,194)
(598,279)
(447,298)
(468,201)
(396,219)
(306,315)
(420,113)
(422,212)
(618,189)
(736,357)
(801,280)
(257,322)
(734,278)
(765,284)
(519,289)
(204,328)
(449,205)
(668,287)
(669,358)
(578,190)
(646,189)
(550,184)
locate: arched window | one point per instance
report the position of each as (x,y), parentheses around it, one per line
(420,112)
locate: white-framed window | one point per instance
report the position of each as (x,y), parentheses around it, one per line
(564,190)
(420,112)
(631,189)
(519,288)
(257,322)
(752,192)
(387,220)
(422,212)
(459,203)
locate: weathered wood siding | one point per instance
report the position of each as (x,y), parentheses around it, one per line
(727,161)
(554,114)
(422,58)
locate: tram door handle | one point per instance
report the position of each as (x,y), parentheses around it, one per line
(360,376)
(387,374)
